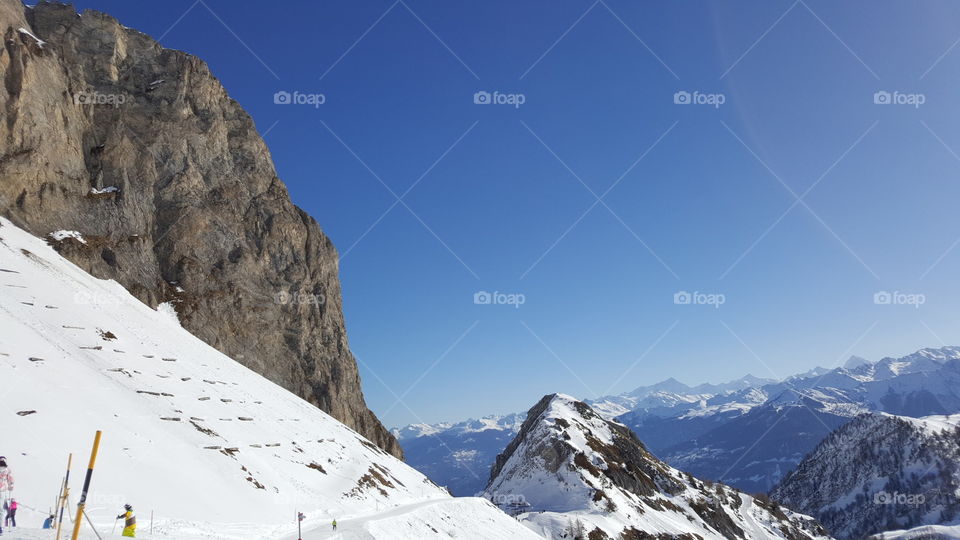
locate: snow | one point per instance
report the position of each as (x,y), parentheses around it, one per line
(934,424)
(108,189)
(167,309)
(561,493)
(926,532)
(211,448)
(62,235)
(24,31)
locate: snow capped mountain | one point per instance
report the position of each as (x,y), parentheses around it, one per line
(571,471)
(754,444)
(855,362)
(881,472)
(670,397)
(459,455)
(212,448)
(748,435)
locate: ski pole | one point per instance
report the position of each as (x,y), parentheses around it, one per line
(114,526)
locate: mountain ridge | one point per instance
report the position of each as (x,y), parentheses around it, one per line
(568,468)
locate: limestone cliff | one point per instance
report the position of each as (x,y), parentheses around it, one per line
(140,150)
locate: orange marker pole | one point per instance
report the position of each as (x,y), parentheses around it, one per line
(86,486)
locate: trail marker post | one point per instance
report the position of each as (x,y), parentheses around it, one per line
(86,485)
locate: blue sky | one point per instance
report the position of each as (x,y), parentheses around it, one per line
(701,198)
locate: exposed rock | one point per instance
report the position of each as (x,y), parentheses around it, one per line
(196,216)
(570,471)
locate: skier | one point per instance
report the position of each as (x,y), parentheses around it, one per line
(130,522)
(11,519)
(6,480)
(334,525)
(6,486)
(48,523)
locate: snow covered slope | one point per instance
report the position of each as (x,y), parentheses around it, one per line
(880,473)
(571,471)
(209,446)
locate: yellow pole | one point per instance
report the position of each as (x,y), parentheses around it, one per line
(86,486)
(62,503)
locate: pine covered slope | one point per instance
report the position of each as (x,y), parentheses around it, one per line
(570,470)
(214,449)
(880,473)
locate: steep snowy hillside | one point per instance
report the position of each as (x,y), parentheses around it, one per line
(880,473)
(210,447)
(571,471)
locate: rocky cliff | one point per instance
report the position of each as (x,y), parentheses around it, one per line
(140,150)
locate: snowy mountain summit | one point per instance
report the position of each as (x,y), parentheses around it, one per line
(571,472)
(209,447)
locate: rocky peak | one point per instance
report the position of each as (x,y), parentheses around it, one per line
(141,152)
(569,470)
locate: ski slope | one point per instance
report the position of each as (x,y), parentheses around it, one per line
(211,448)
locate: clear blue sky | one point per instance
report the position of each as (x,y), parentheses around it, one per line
(705,209)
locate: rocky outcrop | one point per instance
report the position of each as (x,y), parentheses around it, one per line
(573,474)
(141,151)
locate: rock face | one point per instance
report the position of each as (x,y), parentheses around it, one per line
(141,151)
(572,474)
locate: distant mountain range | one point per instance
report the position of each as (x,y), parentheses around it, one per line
(748,433)
(460,454)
